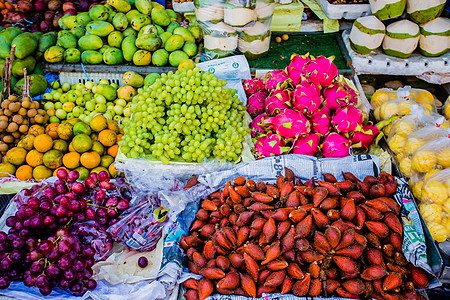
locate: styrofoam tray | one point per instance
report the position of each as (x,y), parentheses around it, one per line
(377,62)
(76,77)
(183,7)
(344,11)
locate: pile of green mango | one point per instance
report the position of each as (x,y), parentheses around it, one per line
(141,32)
(30,48)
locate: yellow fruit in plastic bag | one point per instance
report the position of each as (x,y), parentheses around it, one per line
(438,231)
(399,156)
(422,96)
(429,173)
(447,184)
(376,114)
(405,166)
(428,106)
(417,190)
(447,111)
(446,206)
(445,125)
(403,127)
(444,158)
(381,96)
(412,144)
(387,129)
(404,108)
(424,161)
(388,110)
(431,212)
(397,143)
(435,192)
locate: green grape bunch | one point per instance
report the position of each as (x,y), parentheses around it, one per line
(185,116)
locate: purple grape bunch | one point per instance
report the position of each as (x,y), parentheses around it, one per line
(59,231)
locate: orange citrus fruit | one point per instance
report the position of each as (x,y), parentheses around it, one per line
(51,130)
(35,158)
(60,145)
(43,143)
(71,160)
(24,172)
(112,125)
(16,156)
(28,141)
(65,131)
(98,147)
(107,137)
(53,159)
(98,123)
(82,143)
(7,169)
(112,170)
(90,159)
(113,150)
(41,172)
(36,130)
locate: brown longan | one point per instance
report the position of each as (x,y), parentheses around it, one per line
(17,119)
(12,127)
(3,147)
(22,111)
(31,112)
(278,39)
(24,121)
(26,103)
(8,112)
(39,119)
(16,134)
(12,97)
(36,104)
(8,139)
(14,107)
(5,103)
(41,112)
(4,118)
(3,125)
(23,128)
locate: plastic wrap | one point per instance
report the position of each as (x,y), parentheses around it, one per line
(446,108)
(234,26)
(435,204)
(420,96)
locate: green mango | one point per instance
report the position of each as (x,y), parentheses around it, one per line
(160,58)
(147,29)
(78,32)
(100,28)
(26,44)
(172,26)
(115,39)
(120,5)
(160,17)
(10,33)
(61,22)
(28,63)
(83,18)
(172,14)
(120,22)
(129,48)
(148,42)
(111,16)
(176,57)
(157,5)
(132,78)
(140,21)
(45,41)
(151,78)
(131,14)
(90,42)
(144,6)
(142,58)
(72,56)
(160,29)
(38,34)
(54,54)
(67,41)
(70,21)
(38,85)
(113,56)
(190,48)
(164,37)
(91,57)
(185,33)
(130,32)
(104,48)
(174,42)
(63,33)
(98,13)
(196,32)
(107,91)
(5,49)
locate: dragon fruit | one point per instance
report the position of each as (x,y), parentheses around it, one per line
(321,71)
(306,97)
(335,145)
(364,137)
(289,124)
(307,145)
(274,79)
(278,101)
(256,103)
(347,119)
(338,95)
(270,145)
(320,121)
(252,86)
(296,66)
(255,126)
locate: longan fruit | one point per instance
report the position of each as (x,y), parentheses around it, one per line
(17,119)
(41,112)
(3,147)
(26,103)
(36,104)
(8,139)
(31,112)
(12,97)
(14,107)
(1,112)
(278,39)
(4,118)
(12,127)
(39,119)
(32,121)
(22,111)
(285,37)
(16,134)
(46,119)
(24,121)
(8,112)
(23,128)
(5,103)
(3,124)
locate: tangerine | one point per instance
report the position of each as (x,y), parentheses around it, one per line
(7,169)
(28,141)
(24,172)
(112,171)
(98,123)
(90,159)
(98,147)
(60,145)
(16,156)
(106,161)
(43,143)
(82,143)
(35,158)
(36,130)
(65,131)
(107,137)
(119,137)
(41,172)
(81,128)
(113,125)
(71,160)
(71,147)
(51,130)
(53,159)
(113,150)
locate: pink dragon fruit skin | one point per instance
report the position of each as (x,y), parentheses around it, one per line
(320,121)
(338,95)
(347,119)
(321,71)
(353,95)
(307,145)
(255,126)
(256,103)
(274,79)
(252,86)
(335,145)
(364,137)
(289,124)
(306,97)
(270,145)
(278,101)
(296,67)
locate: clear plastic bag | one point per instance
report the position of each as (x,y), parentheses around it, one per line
(420,96)
(435,204)
(446,108)
(234,26)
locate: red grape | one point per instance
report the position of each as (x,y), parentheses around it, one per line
(90,213)
(46,247)
(64,201)
(94,177)
(142,262)
(111,202)
(99,196)
(10,221)
(53,271)
(89,183)
(61,212)
(50,193)
(105,185)
(63,247)
(24,233)
(29,280)
(46,290)
(112,213)
(33,202)
(18,243)
(123,204)
(103,176)
(6,263)
(73,176)
(45,205)
(78,187)
(88,252)
(74,205)
(42,281)
(49,220)
(77,287)
(3,236)
(53,255)
(62,174)
(90,262)
(37,221)
(31,243)
(64,262)
(61,188)
(18,226)
(37,267)
(70,274)
(35,255)
(64,284)
(90,284)
(4,282)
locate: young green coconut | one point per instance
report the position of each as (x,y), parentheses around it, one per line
(401,39)
(421,11)
(367,34)
(435,37)
(387,9)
